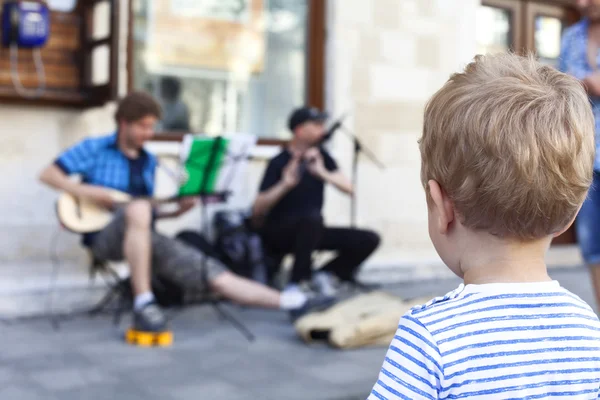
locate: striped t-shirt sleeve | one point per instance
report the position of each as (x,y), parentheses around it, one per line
(412,365)
(78,158)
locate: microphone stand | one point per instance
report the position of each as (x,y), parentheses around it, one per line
(358,148)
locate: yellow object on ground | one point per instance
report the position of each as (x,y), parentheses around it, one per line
(369,319)
(149,339)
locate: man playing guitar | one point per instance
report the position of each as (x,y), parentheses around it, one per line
(119,161)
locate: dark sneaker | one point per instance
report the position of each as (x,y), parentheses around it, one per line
(325,283)
(364,287)
(313,304)
(149,318)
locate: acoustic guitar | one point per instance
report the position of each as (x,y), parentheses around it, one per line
(80,215)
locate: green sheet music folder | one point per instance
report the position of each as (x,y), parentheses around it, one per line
(211,164)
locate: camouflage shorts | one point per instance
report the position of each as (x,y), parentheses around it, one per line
(171,258)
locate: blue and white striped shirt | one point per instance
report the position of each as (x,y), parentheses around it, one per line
(495,341)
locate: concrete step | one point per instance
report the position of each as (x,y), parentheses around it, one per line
(39,276)
(30,288)
(43,304)
(25,287)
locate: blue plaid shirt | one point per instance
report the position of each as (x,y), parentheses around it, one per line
(100,162)
(574,61)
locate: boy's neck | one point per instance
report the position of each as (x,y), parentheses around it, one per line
(488,259)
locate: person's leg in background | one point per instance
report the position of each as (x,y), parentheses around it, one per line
(187,267)
(299,237)
(128,237)
(307,234)
(353,246)
(137,250)
(587,228)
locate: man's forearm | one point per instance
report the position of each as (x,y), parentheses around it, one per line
(339,181)
(57,179)
(267,200)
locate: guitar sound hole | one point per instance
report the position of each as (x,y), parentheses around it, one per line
(78,208)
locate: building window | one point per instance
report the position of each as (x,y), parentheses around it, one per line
(545,29)
(524,26)
(493,30)
(224,66)
(548,33)
(499,26)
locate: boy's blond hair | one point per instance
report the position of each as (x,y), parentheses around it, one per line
(511,141)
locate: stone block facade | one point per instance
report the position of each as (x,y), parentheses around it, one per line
(386,58)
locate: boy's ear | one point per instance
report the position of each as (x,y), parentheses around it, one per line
(441,207)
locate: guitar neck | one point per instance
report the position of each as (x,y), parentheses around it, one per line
(206,198)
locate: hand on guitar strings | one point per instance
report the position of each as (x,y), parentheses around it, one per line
(187,203)
(98,195)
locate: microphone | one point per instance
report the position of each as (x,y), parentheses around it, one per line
(328,134)
(336,125)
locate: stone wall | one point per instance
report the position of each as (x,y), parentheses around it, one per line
(385,59)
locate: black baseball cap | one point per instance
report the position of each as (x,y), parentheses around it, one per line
(305,114)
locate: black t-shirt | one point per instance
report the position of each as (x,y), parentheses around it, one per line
(306,199)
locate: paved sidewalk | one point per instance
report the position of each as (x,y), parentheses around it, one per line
(86,359)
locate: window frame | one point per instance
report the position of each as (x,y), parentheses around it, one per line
(524,11)
(315,68)
(534,10)
(100,94)
(515,7)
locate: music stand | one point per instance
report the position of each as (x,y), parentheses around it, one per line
(210,165)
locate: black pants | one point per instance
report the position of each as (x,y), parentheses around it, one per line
(301,236)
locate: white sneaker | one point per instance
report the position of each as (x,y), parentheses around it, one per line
(325,283)
(293,297)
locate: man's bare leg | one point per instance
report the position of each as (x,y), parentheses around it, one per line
(147,316)
(595,276)
(136,245)
(245,292)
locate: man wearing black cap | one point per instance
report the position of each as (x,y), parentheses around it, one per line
(288,208)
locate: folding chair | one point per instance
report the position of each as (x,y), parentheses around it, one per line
(117,290)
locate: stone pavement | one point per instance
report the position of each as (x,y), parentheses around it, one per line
(86,359)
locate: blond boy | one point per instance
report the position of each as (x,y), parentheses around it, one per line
(507,153)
